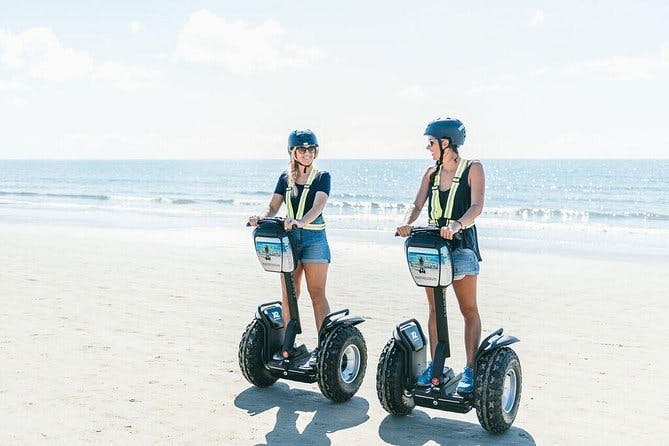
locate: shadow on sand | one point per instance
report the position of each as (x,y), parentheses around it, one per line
(418,428)
(328,417)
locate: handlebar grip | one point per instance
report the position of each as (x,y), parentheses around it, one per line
(397,234)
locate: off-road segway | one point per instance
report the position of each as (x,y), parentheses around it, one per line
(267,351)
(498,380)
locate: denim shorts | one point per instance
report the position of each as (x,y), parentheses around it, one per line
(465,263)
(310,246)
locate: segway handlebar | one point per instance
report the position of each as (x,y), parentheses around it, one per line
(277,220)
(430,228)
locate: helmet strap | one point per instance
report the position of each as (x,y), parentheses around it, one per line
(303,165)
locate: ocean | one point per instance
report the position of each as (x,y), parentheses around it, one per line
(595,207)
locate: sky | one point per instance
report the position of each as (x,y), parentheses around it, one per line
(229,79)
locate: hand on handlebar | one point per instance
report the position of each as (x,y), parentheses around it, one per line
(253,220)
(403,231)
(291,223)
(450,230)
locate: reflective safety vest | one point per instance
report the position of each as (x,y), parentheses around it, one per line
(303,201)
(435,203)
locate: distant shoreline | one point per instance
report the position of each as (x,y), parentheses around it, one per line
(324,158)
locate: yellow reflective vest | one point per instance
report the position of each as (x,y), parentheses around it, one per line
(435,203)
(302,202)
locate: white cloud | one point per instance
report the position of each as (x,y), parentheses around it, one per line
(126,77)
(9,85)
(541,71)
(135,27)
(39,53)
(482,89)
(625,67)
(11,91)
(208,38)
(18,101)
(412,92)
(538,18)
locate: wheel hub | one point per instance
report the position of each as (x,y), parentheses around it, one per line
(509,391)
(350,364)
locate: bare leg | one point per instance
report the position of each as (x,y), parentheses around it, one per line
(297,278)
(431,321)
(316,275)
(465,291)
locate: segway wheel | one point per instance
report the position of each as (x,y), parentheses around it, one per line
(251,356)
(341,363)
(391,381)
(497,390)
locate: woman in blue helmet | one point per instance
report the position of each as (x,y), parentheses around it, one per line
(452,215)
(305,190)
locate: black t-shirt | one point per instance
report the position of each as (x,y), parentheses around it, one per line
(321,183)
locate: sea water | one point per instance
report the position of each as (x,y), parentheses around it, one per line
(588,206)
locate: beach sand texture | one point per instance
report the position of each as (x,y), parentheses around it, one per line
(130,337)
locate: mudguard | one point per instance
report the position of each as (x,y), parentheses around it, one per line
(270,315)
(337,319)
(494,341)
(412,342)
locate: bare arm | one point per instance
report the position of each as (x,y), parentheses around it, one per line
(270,210)
(320,200)
(273,207)
(414,209)
(477,185)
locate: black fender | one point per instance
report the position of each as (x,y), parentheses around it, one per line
(259,311)
(404,341)
(494,341)
(407,348)
(270,327)
(335,320)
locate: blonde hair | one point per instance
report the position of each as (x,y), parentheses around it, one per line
(293,170)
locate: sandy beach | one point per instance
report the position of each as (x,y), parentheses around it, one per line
(130,337)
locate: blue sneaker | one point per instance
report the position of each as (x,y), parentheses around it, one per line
(466,384)
(426,377)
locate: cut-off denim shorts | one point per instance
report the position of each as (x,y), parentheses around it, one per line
(465,263)
(310,246)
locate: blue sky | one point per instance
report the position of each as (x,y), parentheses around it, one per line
(223,79)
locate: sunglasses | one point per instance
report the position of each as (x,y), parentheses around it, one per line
(303,150)
(431,142)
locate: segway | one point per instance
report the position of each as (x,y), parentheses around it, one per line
(497,386)
(267,351)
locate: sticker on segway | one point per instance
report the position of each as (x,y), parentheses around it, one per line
(274,316)
(414,337)
(446,267)
(424,265)
(287,253)
(270,253)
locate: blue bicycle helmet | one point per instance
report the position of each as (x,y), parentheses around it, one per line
(301,138)
(450,128)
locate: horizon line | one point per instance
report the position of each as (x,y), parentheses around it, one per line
(332,159)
